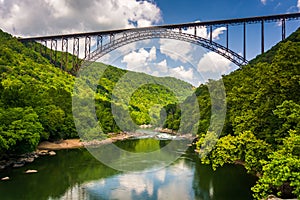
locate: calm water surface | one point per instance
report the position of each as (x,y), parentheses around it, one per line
(76,174)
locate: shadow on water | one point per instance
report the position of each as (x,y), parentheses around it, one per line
(76,174)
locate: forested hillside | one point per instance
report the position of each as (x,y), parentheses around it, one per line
(36,97)
(262,127)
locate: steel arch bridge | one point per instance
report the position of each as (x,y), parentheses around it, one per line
(107,41)
(146,33)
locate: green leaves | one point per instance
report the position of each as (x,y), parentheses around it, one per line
(281,169)
(20,130)
(263,120)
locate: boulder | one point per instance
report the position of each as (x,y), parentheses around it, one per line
(29,160)
(18,164)
(52,153)
(5,178)
(31,171)
(42,152)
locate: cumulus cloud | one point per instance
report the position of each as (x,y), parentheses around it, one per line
(143,61)
(214,63)
(217,32)
(43,17)
(176,50)
(138,60)
(182,73)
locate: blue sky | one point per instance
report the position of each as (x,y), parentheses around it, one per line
(204,10)
(157,57)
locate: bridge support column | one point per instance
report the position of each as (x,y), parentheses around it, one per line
(43,47)
(244,39)
(112,38)
(53,48)
(262,37)
(283,28)
(210,32)
(99,41)
(87,49)
(227,37)
(64,50)
(75,61)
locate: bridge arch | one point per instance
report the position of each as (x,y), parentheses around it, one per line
(143,34)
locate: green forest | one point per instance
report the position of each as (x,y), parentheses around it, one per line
(36,97)
(262,124)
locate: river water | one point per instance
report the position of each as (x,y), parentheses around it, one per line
(76,174)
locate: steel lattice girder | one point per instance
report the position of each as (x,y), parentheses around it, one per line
(137,35)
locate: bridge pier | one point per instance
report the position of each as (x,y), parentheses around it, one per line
(87,46)
(75,60)
(262,37)
(43,47)
(210,32)
(283,28)
(227,37)
(99,41)
(244,39)
(64,50)
(53,47)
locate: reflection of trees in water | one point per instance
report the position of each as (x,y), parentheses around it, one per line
(75,172)
(201,180)
(229,182)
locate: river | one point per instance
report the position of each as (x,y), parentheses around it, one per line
(76,174)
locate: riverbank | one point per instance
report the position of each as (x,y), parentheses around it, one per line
(62,144)
(47,148)
(77,143)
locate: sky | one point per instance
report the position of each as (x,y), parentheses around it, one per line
(159,57)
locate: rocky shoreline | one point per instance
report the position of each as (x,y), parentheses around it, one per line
(16,161)
(47,148)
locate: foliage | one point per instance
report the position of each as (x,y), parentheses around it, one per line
(20,130)
(263,106)
(31,82)
(281,172)
(245,147)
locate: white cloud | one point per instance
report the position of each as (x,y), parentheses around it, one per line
(217,32)
(152,54)
(44,17)
(182,73)
(263,1)
(176,50)
(298,5)
(143,61)
(137,60)
(162,66)
(215,63)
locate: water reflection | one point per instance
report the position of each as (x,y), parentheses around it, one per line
(185,179)
(77,175)
(172,182)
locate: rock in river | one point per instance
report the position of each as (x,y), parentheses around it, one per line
(52,153)
(5,179)
(31,171)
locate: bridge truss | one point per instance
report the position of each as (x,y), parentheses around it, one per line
(107,41)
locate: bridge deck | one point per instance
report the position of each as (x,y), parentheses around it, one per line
(232,22)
